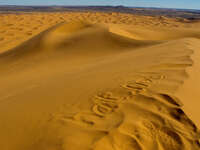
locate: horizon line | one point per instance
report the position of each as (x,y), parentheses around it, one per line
(155,7)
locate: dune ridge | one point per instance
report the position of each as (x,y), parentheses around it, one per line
(27,25)
(89,85)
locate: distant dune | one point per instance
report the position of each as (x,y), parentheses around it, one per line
(191,14)
(98,81)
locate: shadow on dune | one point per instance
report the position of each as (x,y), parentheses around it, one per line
(76,38)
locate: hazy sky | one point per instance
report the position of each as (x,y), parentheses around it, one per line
(195,4)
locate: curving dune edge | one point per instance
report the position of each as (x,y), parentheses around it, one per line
(107,85)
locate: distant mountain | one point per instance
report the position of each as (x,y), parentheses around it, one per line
(151,11)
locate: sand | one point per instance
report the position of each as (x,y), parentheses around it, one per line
(98,81)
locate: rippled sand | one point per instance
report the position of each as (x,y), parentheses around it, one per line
(98,81)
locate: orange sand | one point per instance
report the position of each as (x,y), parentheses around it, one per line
(98,81)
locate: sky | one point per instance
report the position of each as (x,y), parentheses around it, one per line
(190,4)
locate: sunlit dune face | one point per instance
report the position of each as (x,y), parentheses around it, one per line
(72,27)
(108,82)
(64,31)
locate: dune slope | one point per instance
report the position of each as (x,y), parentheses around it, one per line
(86,86)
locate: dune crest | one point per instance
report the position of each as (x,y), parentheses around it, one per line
(98,86)
(82,40)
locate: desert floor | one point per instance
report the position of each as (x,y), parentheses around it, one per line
(99,81)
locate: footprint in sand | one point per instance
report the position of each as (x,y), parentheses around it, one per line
(179,115)
(162,136)
(103,115)
(104,104)
(169,139)
(127,121)
(137,86)
(172,100)
(116,140)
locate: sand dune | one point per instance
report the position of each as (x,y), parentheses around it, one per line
(100,85)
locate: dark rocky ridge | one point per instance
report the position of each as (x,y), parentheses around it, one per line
(189,14)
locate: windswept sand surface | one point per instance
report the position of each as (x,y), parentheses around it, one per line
(98,81)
